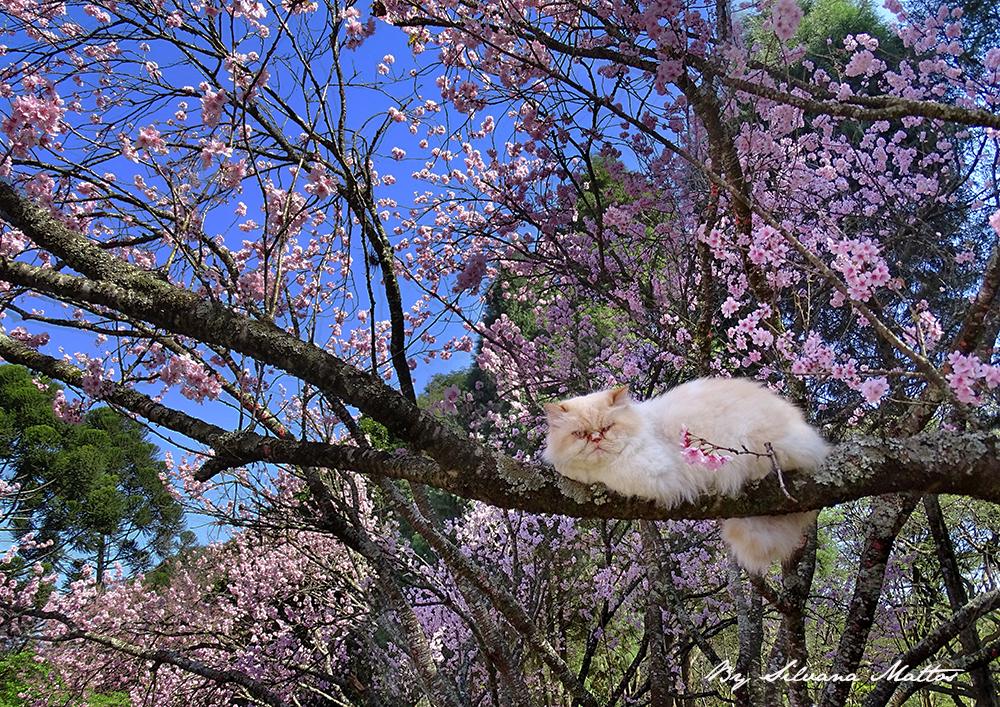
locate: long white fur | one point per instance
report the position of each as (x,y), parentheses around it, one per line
(640,453)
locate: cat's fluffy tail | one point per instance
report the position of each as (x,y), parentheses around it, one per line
(759,541)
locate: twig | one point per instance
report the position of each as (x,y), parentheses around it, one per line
(776,468)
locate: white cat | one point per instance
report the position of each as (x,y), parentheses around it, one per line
(635,448)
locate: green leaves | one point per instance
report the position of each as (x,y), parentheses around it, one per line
(94,489)
(24,679)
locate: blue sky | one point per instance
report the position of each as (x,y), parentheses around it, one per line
(386,40)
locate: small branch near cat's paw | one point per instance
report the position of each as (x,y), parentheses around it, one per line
(776,468)
(698,450)
(707,453)
(704,445)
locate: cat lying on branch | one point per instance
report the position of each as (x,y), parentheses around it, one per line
(668,449)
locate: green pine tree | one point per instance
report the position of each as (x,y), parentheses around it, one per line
(93,489)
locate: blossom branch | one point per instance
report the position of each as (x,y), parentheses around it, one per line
(933,462)
(867,108)
(254,689)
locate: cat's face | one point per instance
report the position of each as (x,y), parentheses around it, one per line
(590,430)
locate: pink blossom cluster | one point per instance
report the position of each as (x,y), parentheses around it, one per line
(41,187)
(151,355)
(197,382)
(926,331)
(8,488)
(561,557)
(874,389)
(286,211)
(861,263)
(472,274)
(967,373)
(818,358)
(449,400)
(506,351)
(863,62)
(96,380)
(698,451)
(768,247)
(210,149)
(33,122)
(212,103)
(668,71)
(232,174)
(751,331)
(150,139)
(250,9)
(20,593)
(12,242)
(321,184)
(35,12)
(786,15)
(70,412)
(29,339)
(299,7)
(356,31)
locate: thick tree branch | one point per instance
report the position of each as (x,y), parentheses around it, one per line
(935,641)
(877,108)
(933,462)
(133,292)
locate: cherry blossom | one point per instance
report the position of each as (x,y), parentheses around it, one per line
(565,198)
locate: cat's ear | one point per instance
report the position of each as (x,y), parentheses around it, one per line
(619,396)
(555,410)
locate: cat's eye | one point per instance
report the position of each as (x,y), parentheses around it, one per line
(580,434)
(607,427)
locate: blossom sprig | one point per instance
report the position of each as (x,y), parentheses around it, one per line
(697,450)
(969,373)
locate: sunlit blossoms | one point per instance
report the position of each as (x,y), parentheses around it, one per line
(33,122)
(212,104)
(337,258)
(150,139)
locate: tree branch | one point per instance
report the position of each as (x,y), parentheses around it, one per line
(933,462)
(877,108)
(933,642)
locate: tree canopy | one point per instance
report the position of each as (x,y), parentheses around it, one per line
(260,227)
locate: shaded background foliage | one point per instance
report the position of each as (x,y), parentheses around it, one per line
(91,493)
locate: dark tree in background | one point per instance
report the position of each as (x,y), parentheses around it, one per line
(94,489)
